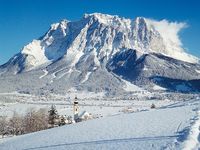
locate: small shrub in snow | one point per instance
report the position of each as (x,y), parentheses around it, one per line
(62,121)
(153,106)
(69,120)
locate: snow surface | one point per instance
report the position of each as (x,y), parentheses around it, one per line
(45,73)
(192,141)
(35,52)
(157,87)
(86,77)
(165,128)
(131,87)
(94,103)
(198,71)
(65,73)
(72,92)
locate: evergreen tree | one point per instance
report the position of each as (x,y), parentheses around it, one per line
(153,106)
(53,116)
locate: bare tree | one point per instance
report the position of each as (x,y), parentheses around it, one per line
(42,119)
(35,120)
(31,122)
(16,124)
(3,126)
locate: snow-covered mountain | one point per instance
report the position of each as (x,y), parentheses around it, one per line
(101,35)
(84,55)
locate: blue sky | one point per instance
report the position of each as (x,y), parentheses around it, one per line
(21,21)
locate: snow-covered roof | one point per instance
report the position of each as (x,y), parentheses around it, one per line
(83,114)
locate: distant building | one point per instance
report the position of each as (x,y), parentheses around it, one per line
(85,116)
(76,109)
(80,117)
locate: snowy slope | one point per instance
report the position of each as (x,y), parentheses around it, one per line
(155,70)
(165,128)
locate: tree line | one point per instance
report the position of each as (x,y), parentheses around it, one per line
(32,121)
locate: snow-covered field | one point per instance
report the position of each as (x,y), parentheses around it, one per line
(123,123)
(93,103)
(174,126)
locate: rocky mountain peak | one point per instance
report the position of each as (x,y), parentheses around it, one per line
(100,35)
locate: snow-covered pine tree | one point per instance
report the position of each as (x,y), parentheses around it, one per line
(62,121)
(153,106)
(53,116)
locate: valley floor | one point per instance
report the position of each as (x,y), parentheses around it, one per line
(172,126)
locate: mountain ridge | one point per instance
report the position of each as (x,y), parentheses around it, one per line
(138,34)
(82,55)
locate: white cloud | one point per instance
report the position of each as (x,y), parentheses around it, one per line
(170,32)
